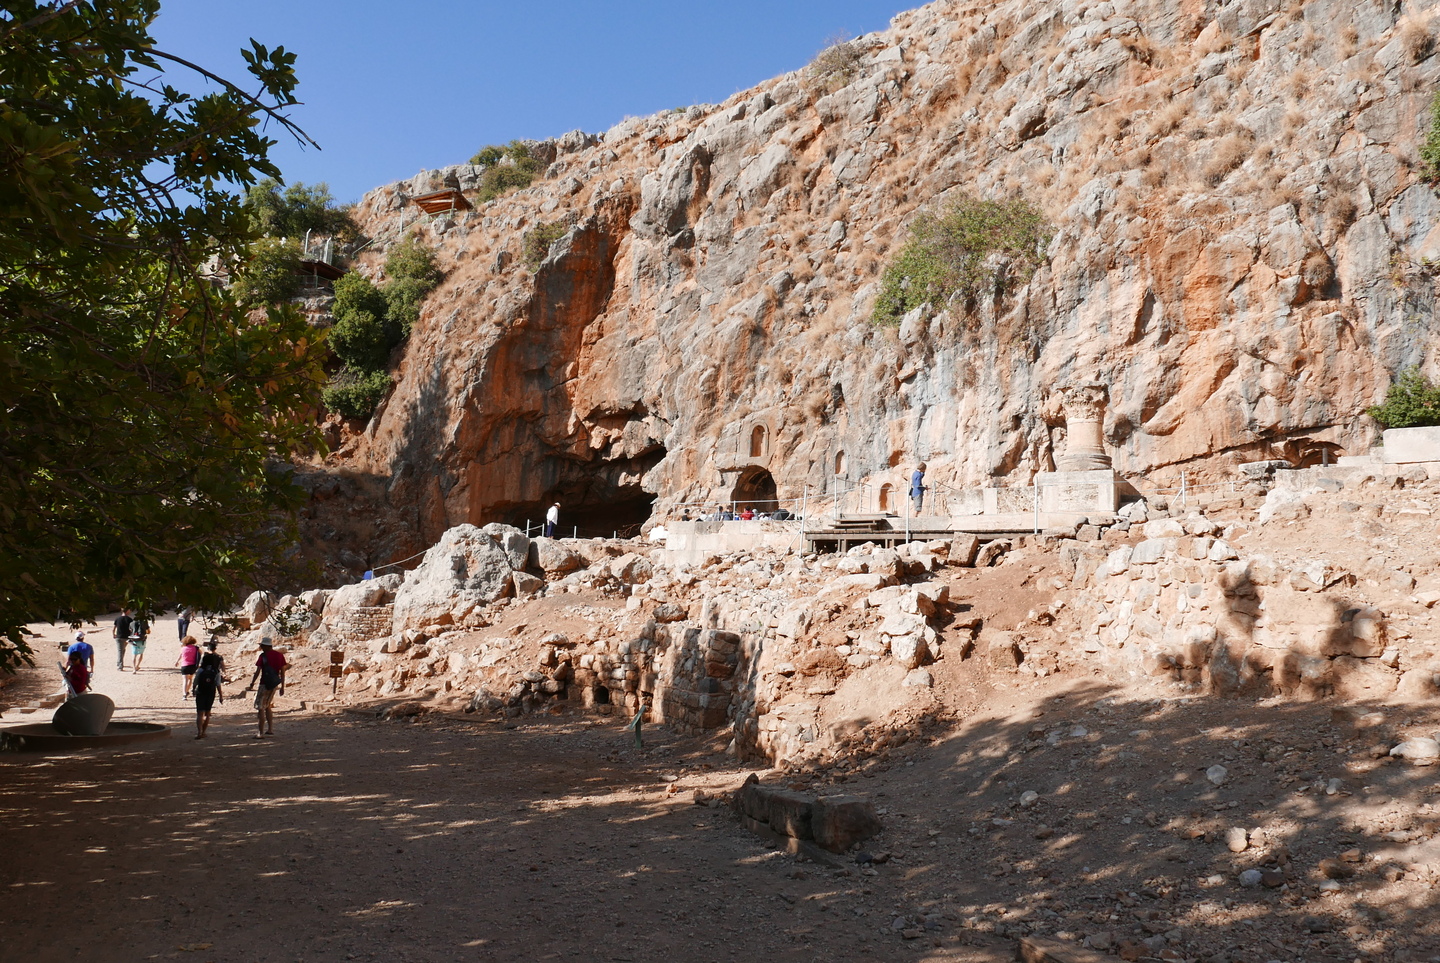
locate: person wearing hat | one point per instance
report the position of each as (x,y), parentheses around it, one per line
(917,488)
(270,671)
(84,649)
(552,520)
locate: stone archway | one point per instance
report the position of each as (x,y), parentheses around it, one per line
(755,489)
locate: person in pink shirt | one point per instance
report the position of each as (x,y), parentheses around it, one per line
(189,659)
(270,671)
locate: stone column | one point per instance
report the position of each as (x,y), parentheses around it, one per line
(1084,404)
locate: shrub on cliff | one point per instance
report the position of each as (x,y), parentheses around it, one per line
(356,394)
(967,247)
(511,167)
(837,65)
(537,243)
(371,321)
(410,267)
(1413,401)
(1430,147)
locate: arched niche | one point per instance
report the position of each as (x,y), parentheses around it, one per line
(840,463)
(755,489)
(757,441)
(887,495)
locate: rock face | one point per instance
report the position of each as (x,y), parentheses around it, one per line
(1240,253)
(466,568)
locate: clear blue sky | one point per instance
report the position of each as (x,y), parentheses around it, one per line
(392,88)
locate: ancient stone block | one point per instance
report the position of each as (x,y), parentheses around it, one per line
(839,822)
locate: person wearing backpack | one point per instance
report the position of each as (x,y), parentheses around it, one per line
(139,635)
(270,671)
(208,683)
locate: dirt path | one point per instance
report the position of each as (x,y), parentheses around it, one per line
(1061,808)
(344,838)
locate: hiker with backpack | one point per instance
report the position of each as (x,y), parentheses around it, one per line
(270,671)
(139,635)
(208,683)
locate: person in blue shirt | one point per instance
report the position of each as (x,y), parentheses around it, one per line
(85,650)
(917,488)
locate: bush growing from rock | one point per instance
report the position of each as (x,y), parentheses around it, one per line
(511,167)
(538,241)
(949,255)
(356,394)
(1413,401)
(837,65)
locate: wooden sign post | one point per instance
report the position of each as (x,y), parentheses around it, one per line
(337,669)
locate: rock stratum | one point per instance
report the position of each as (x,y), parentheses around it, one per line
(1242,251)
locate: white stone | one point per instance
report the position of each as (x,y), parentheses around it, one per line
(1417,749)
(1217,774)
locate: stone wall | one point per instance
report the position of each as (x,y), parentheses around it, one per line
(363,623)
(1182,603)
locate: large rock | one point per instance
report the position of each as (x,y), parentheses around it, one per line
(464,569)
(515,543)
(553,557)
(367,594)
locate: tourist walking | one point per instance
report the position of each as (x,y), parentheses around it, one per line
(917,488)
(270,671)
(187,661)
(77,677)
(182,621)
(139,635)
(552,520)
(209,683)
(122,636)
(85,650)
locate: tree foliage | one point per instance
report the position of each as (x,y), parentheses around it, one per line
(371,321)
(296,209)
(270,273)
(1413,401)
(968,246)
(145,419)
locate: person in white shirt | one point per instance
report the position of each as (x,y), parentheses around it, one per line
(552,520)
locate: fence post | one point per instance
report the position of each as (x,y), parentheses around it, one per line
(1035,501)
(1182,489)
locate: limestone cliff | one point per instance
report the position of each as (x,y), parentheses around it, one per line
(1242,250)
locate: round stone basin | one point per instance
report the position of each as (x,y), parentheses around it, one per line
(43,737)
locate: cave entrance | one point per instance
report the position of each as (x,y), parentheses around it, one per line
(755,489)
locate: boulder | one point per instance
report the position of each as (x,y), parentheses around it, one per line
(466,568)
(632,569)
(526,585)
(910,650)
(515,543)
(316,599)
(963,549)
(255,609)
(367,594)
(553,557)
